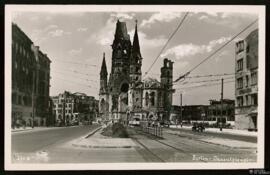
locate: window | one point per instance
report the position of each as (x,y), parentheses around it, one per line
(247,48)
(152,98)
(25,102)
(146,98)
(240,83)
(254,78)
(16,65)
(240,64)
(247,100)
(14,98)
(137,69)
(247,81)
(19,100)
(240,46)
(254,99)
(137,99)
(239,101)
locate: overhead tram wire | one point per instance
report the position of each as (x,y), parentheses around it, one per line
(77,72)
(204,85)
(205,81)
(76,83)
(171,36)
(213,53)
(73,82)
(211,75)
(86,79)
(71,62)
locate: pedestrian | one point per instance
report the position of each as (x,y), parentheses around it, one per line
(220,126)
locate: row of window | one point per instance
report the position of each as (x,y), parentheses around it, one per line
(218,112)
(240,46)
(240,81)
(21,50)
(60,105)
(247,100)
(60,111)
(21,100)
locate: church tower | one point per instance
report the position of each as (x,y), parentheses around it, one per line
(119,76)
(103,77)
(103,90)
(166,79)
(135,60)
(135,92)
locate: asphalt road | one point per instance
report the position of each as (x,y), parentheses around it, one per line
(188,147)
(31,141)
(55,146)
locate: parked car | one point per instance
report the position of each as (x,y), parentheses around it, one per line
(74,122)
(198,127)
(165,123)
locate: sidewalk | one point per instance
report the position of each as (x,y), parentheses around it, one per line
(96,140)
(30,129)
(230,143)
(224,130)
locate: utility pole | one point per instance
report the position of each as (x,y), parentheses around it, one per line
(33,97)
(181,110)
(64,108)
(221,101)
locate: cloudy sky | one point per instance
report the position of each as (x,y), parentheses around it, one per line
(75,43)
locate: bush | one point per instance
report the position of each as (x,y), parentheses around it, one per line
(117,130)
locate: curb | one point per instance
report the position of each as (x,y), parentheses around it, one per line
(92,132)
(21,130)
(89,146)
(233,147)
(207,131)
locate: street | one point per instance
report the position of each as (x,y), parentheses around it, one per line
(56,145)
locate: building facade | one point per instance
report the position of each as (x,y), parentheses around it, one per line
(69,107)
(30,92)
(221,111)
(125,95)
(246,85)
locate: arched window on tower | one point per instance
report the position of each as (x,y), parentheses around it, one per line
(168,73)
(152,98)
(146,99)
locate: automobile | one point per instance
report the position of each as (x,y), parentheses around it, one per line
(74,122)
(198,127)
(165,123)
(135,122)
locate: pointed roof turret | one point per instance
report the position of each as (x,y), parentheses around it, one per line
(136,44)
(121,31)
(103,70)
